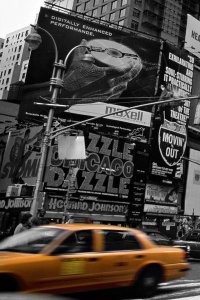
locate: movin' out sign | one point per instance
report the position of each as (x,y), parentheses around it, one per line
(172,139)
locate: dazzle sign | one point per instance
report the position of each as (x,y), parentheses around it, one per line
(107,170)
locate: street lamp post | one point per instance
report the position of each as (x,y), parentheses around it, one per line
(56,83)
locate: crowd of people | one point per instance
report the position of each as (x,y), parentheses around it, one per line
(28,221)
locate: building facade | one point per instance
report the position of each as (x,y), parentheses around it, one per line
(161,18)
(14,60)
(1,48)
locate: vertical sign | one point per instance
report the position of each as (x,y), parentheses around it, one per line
(170,134)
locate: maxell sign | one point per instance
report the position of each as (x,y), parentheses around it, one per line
(133,116)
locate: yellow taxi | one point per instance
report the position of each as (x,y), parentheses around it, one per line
(67,258)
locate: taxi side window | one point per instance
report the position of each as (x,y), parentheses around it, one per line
(77,242)
(120,240)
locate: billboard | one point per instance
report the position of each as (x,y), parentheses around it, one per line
(161,194)
(192,36)
(195,104)
(192,204)
(111,63)
(170,133)
(20,161)
(106,173)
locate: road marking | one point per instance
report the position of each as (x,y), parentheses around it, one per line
(180,285)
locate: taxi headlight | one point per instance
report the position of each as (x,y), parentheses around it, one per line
(188,248)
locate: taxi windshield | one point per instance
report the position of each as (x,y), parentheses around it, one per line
(31,241)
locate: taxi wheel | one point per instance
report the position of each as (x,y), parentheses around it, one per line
(8,284)
(148,280)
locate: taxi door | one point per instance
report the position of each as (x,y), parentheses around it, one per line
(121,257)
(74,265)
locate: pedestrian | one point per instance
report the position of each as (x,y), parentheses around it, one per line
(70,220)
(35,221)
(24,224)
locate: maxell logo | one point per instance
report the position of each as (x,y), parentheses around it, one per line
(130,114)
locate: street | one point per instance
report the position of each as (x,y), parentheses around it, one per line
(187,287)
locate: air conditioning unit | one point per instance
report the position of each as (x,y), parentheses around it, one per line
(25,190)
(20,190)
(12,191)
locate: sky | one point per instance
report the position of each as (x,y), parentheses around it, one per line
(16,14)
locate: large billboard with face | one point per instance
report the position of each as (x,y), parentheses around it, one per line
(110,64)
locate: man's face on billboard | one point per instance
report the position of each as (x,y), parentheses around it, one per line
(105,73)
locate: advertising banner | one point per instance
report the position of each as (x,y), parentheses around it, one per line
(106,173)
(133,116)
(170,134)
(133,124)
(111,63)
(56,203)
(194,120)
(3,141)
(20,161)
(161,194)
(192,36)
(16,203)
(160,209)
(192,203)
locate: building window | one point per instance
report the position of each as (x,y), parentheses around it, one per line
(94,13)
(26,33)
(89,13)
(104,9)
(7,80)
(114,5)
(9,71)
(112,17)
(79,9)
(87,5)
(23,76)
(121,23)
(136,13)
(122,13)
(124,2)
(138,2)
(134,25)
(20,47)
(18,55)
